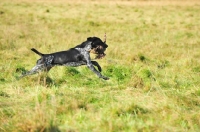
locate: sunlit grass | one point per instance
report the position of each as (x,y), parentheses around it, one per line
(152,61)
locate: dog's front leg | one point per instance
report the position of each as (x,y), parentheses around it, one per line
(85,52)
(97,65)
(91,67)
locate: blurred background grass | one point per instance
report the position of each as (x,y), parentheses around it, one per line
(152,61)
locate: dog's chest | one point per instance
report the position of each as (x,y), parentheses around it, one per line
(83,52)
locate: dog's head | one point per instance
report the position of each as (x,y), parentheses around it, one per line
(98,47)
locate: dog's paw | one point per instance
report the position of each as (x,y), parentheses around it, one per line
(105,78)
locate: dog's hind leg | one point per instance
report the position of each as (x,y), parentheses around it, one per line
(34,70)
(43,64)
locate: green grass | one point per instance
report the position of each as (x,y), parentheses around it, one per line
(153,62)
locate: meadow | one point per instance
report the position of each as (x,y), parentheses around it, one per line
(153,62)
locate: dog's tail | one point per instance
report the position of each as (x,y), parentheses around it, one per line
(37,52)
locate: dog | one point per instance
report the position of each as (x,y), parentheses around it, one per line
(77,56)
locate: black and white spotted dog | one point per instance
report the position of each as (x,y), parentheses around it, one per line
(77,56)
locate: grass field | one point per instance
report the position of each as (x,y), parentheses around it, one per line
(153,61)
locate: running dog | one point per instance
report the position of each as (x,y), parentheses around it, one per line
(77,56)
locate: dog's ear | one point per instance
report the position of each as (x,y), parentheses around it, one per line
(90,39)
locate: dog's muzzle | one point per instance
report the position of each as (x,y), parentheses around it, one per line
(100,56)
(99,51)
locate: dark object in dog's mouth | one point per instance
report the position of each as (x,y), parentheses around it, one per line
(100,56)
(99,51)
